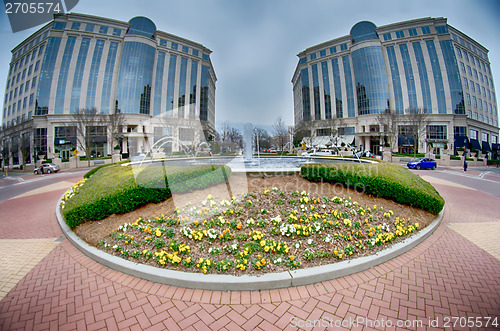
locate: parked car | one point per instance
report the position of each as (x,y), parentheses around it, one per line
(364,154)
(319,152)
(422,163)
(46,168)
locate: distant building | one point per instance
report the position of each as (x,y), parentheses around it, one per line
(343,84)
(164,85)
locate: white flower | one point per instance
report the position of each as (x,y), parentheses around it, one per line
(309,241)
(297,244)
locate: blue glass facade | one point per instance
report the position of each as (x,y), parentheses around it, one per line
(171,84)
(338,88)
(192,95)
(348,86)
(204,93)
(108,78)
(63,75)
(457,94)
(46,73)
(316,95)
(410,79)
(438,79)
(94,73)
(424,79)
(135,78)
(182,87)
(371,80)
(326,89)
(306,99)
(160,64)
(79,71)
(396,82)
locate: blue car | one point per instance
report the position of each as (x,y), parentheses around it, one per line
(422,163)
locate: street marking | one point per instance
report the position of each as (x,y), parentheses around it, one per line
(20,180)
(482,234)
(23,255)
(466,175)
(45,189)
(440,181)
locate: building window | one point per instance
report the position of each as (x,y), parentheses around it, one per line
(459,52)
(426,30)
(163,43)
(186,134)
(303,60)
(185,49)
(466,82)
(103,30)
(322,53)
(466,56)
(474,101)
(387,36)
(89,27)
(118,33)
(442,29)
(400,34)
(469,71)
(469,113)
(475,74)
(437,132)
(195,52)
(343,47)
(481,118)
(174,46)
(76,26)
(333,50)
(59,26)
(476,116)
(413,32)
(462,66)
(312,56)
(459,130)
(485,136)
(205,57)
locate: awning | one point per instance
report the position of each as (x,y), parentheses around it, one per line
(486,147)
(461,141)
(475,144)
(495,147)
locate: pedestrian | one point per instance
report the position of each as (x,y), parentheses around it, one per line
(465,165)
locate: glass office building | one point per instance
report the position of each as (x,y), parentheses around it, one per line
(164,85)
(344,84)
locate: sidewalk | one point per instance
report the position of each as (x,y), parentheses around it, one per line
(448,275)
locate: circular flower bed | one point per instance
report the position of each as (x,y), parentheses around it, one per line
(257,233)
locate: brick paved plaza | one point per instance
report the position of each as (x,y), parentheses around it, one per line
(46,283)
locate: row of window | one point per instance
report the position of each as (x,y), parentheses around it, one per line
(475,87)
(25,60)
(478,103)
(12,95)
(17,106)
(88,28)
(28,46)
(474,60)
(184,49)
(470,46)
(482,118)
(322,53)
(17,120)
(425,30)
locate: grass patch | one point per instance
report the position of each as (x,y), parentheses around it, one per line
(115,189)
(384,180)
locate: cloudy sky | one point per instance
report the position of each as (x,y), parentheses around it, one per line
(255,42)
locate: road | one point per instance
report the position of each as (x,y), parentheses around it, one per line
(46,283)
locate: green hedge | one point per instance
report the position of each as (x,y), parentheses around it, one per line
(117,189)
(384,180)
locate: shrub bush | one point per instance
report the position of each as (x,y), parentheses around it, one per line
(115,189)
(384,180)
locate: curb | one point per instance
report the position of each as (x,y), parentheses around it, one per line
(245,283)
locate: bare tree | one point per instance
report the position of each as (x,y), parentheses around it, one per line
(25,146)
(261,138)
(230,137)
(280,132)
(389,121)
(115,123)
(85,120)
(417,119)
(5,155)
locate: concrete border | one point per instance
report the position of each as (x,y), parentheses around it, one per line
(244,283)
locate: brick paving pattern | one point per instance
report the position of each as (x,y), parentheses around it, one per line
(447,275)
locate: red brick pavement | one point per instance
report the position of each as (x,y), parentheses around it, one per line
(444,276)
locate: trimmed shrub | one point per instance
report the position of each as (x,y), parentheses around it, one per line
(384,180)
(93,171)
(116,189)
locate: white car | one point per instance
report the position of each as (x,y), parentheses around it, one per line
(319,152)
